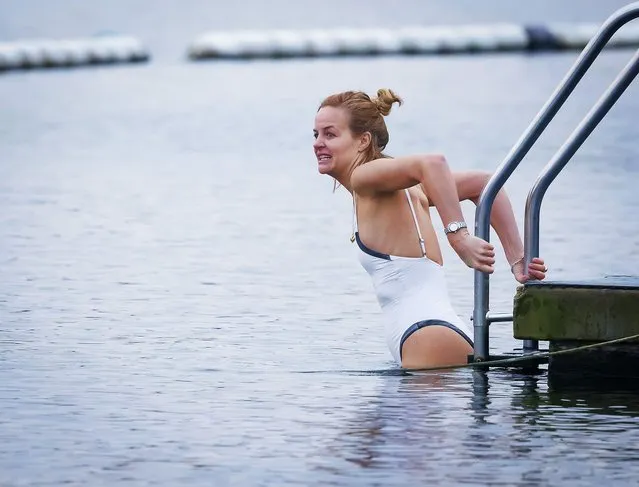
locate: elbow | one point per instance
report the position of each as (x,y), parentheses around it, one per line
(481,181)
(432,163)
(437,160)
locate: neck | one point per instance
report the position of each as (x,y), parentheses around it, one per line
(344,177)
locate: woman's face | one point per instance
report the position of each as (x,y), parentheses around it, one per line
(335,146)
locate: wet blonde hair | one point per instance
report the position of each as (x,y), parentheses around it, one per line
(366,114)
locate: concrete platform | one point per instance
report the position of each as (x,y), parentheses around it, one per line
(596,310)
(572,314)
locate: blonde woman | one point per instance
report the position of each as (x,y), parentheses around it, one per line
(397,244)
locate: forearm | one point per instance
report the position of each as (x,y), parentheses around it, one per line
(502,219)
(439,184)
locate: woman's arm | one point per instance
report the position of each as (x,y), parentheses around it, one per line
(433,173)
(470,184)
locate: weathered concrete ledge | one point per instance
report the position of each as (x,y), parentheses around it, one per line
(593,311)
(574,314)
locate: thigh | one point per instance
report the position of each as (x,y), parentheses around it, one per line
(434,346)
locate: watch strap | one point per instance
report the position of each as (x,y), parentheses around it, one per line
(453,227)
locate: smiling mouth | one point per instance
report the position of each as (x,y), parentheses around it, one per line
(324,158)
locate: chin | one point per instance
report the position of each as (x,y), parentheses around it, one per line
(325,169)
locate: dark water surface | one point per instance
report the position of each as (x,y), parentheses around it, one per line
(179,300)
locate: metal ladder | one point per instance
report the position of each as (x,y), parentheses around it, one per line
(482,317)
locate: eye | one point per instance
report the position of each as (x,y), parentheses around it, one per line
(330,135)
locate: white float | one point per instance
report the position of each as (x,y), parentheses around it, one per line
(404,40)
(324,42)
(46,53)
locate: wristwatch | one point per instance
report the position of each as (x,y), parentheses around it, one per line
(452,227)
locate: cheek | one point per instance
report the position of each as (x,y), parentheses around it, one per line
(343,147)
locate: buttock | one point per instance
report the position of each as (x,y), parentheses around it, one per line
(432,322)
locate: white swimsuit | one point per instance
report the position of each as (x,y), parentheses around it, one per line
(411,291)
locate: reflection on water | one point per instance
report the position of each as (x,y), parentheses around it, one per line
(488,428)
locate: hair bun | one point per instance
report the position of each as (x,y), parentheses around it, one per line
(385,99)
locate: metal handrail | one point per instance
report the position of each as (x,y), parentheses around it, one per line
(565,153)
(561,158)
(525,143)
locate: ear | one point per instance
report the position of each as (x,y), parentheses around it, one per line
(365,141)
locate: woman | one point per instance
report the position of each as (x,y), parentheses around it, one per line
(397,244)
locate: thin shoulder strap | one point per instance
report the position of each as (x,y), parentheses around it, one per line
(354,223)
(422,244)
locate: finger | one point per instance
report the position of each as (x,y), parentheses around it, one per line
(489,269)
(540,276)
(537,267)
(483,267)
(537,260)
(488,260)
(488,253)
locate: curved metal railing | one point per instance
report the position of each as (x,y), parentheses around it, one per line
(481,316)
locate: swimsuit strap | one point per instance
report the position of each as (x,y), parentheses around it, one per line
(354,223)
(422,244)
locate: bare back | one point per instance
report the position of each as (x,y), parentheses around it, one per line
(386,224)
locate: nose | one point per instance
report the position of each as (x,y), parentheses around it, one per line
(318,143)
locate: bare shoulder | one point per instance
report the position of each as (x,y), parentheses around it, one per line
(390,174)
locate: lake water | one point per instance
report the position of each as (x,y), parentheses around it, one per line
(180,303)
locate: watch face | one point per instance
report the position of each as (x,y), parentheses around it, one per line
(453,227)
